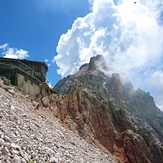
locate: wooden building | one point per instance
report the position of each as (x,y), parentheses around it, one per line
(29,76)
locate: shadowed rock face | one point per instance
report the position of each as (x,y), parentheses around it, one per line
(108,112)
(96,63)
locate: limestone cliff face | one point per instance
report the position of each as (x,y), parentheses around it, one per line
(105,109)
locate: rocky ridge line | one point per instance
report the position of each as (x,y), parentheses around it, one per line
(103,106)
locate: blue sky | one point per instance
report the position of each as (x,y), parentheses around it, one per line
(66,33)
(36,26)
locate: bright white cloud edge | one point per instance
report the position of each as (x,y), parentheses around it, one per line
(14,53)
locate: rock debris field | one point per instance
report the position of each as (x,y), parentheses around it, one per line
(27,135)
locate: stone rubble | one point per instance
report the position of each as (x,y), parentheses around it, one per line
(27,135)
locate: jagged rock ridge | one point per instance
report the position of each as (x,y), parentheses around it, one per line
(106,110)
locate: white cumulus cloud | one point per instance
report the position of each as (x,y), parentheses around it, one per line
(127,34)
(4,46)
(156,82)
(13,52)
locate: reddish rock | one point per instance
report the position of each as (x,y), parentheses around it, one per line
(108,112)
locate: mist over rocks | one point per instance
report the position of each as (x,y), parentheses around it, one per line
(103,106)
(97,62)
(116,29)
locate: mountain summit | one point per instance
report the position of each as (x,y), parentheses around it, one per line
(96,63)
(105,109)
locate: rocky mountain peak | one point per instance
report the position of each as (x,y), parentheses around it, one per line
(107,109)
(96,63)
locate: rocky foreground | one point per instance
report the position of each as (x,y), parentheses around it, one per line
(30,135)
